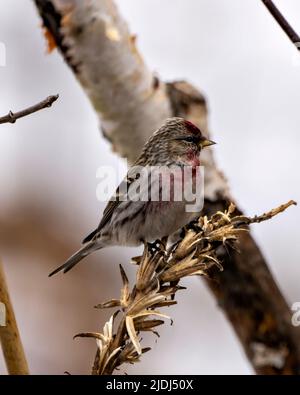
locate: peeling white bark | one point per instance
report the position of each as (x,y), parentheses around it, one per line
(267,356)
(130,102)
(112,72)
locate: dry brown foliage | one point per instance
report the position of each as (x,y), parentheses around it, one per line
(159,271)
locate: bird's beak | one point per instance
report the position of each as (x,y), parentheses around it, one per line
(206,143)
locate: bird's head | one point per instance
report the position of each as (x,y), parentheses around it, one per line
(178,140)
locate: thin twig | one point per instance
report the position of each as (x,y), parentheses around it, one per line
(9,334)
(12,117)
(286,27)
(272,213)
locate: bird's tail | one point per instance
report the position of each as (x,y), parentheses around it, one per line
(77,257)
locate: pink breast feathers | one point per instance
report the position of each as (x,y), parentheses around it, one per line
(193,158)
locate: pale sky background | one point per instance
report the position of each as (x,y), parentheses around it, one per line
(236,54)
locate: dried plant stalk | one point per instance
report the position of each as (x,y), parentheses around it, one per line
(10,339)
(159,272)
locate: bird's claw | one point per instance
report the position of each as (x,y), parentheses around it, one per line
(193,226)
(156,246)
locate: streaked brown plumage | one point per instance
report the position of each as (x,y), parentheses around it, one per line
(176,144)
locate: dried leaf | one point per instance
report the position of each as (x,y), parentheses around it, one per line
(108,304)
(125,289)
(133,335)
(146,313)
(145,302)
(112,356)
(146,324)
(94,335)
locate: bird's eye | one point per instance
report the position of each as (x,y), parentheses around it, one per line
(190,139)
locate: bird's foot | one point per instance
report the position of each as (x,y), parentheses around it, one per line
(156,246)
(193,226)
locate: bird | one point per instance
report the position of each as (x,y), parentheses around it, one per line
(130,222)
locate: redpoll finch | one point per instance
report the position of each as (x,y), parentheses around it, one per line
(130,221)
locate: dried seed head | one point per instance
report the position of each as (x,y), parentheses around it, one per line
(158,275)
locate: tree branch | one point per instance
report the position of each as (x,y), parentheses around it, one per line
(93,38)
(96,43)
(12,117)
(286,27)
(128,98)
(9,334)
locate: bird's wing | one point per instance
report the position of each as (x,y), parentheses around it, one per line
(112,204)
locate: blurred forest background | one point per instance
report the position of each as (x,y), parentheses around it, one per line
(237,55)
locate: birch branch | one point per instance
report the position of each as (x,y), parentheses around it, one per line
(12,117)
(9,334)
(131,103)
(99,48)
